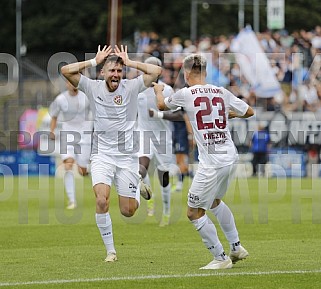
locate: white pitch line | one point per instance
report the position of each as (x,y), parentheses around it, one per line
(149,277)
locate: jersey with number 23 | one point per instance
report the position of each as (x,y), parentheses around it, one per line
(207,107)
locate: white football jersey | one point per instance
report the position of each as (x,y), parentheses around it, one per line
(155,133)
(207,107)
(114,114)
(147,100)
(74,114)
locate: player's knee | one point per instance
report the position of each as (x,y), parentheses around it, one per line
(200,222)
(183,168)
(191,215)
(164,179)
(194,214)
(101,203)
(142,171)
(128,211)
(68,166)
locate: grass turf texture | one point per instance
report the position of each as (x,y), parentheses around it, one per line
(42,245)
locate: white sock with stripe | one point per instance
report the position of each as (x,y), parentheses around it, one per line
(227,223)
(105,227)
(207,230)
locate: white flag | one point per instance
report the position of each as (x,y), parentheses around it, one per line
(254,64)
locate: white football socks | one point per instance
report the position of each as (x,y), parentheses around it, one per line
(69,181)
(226,220)
(166,197)
(105,227)
(208,232)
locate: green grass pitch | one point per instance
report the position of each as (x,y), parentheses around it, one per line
(42,245)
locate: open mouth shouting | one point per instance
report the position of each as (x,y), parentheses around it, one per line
(113,84)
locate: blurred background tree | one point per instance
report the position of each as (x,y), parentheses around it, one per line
(78,26)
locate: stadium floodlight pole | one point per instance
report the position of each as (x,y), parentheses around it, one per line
(18,49)
(114,22)
(241,14)
(256,15)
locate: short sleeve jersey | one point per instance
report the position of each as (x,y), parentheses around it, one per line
(114,114)
(207,107)
(147,100)
(74,113)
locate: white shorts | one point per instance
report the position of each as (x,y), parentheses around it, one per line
(82,156)
(163,154)
(208,184)
(120,170)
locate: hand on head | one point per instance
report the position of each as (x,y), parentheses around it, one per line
(122,52)
(103,53)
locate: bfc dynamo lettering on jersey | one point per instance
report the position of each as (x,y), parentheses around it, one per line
(207,107)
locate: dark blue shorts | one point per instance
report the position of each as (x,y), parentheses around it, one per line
(180,140)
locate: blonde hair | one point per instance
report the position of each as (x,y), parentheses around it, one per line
(195,63)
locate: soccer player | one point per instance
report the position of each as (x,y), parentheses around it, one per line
(73,107)
(208,107)
(155,142)
(260,146)
(181,140)
(113,159)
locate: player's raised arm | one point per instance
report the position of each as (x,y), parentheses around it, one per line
(72,71)
(158,89)
(151,71)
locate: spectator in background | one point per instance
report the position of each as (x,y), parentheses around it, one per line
(176,48)
(316,38)
(142,41)
(177,75)
(312,148)
(311,98)
(154,49)
(267,42)
(260,146)
(214,74)
(292,57)
(189,47)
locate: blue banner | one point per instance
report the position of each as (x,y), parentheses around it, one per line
(287,163)
(26,162)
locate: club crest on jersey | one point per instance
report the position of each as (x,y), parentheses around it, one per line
(118,99)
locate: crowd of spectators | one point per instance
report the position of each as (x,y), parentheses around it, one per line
(295,59)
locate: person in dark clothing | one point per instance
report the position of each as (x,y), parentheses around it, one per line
(260,148)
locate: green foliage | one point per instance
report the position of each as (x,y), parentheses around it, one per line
(7,26)
(78,26)
(65,25)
